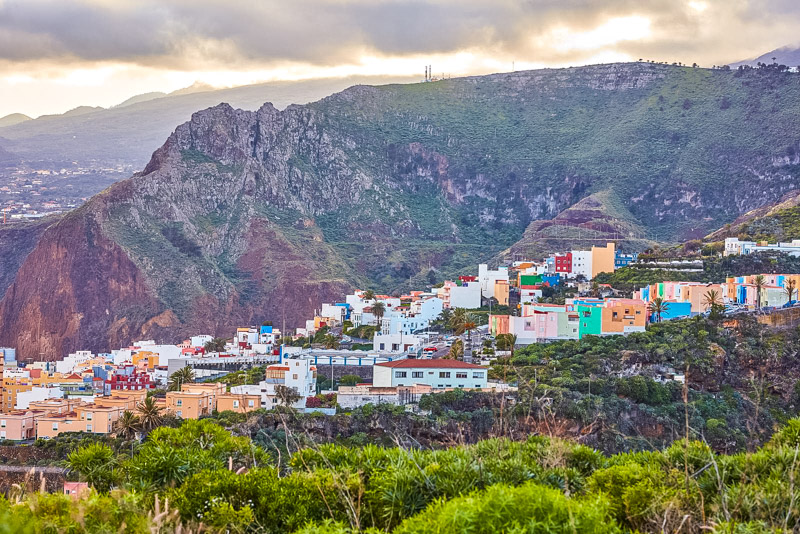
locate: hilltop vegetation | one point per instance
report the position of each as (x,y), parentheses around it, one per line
(199,477)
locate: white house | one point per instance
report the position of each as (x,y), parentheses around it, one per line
(734,247)
(300,375)
(438,374)
(66,365)
(487,278)
(582,263)
(200,341)
(397,342)
(25,398)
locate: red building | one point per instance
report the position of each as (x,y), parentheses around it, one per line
(134,381)
(564,263)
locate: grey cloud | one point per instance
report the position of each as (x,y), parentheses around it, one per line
(195,34)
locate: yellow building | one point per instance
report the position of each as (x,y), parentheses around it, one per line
(603,259)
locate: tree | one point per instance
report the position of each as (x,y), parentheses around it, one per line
(184,375)
(127,425)
(150,414)
(378,309)
(215,345)
(95,464)
(456,350)
(368,295)
(287,396)
(790,286)
(350,380)
(658,307)
(331,342)
(712,298)
(759,282)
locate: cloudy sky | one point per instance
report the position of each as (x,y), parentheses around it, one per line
(58,54)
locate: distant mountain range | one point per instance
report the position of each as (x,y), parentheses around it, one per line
(787,55)
(13,119)
(244,216)
(127,134)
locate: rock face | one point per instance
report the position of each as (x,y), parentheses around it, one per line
(248,216)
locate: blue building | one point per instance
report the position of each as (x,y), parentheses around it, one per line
(623,260)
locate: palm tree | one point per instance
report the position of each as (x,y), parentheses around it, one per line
(789,286)
(456,350)
(368,295)
(458,320)
(657,307)
(331,342)
(711,299)
(378,309)
(150,414)
(127,425)
(215,345)
(184,375)
(760,282)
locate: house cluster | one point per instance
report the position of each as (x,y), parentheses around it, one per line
(685,299)
(735,247)
(577,318)
(579,263)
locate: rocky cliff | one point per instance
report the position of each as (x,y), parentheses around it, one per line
(247,216)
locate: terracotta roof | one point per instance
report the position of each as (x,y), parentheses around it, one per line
(430,364)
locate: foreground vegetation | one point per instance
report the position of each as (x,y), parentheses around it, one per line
(201,478)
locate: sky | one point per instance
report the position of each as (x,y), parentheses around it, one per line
(56,55)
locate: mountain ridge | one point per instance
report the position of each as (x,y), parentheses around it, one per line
(243,216)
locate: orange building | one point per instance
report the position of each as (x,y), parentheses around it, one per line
(19,424)
(622,316)
(194,400)
(11,388)
(241,403)
(145,359)
(501,292)
(603,259)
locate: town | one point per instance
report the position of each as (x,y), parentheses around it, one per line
(370,348)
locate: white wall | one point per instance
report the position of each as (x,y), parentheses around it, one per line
(396,342)
(25,398)
(582,263)
(466,296)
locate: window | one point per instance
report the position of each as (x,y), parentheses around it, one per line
(236,404)
(180,413)
(478,374)
(88,428)
(2,423)
(179,402)
(443,374)
(89,416)
(294,377)
(461,385)
(55,426)
(417,374)
(399,374)
(461,375)
(250,403)
(2,434)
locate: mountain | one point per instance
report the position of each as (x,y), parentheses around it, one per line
(97,138)
(787,55)
(13,119)
(774,222)
(144,97)
(245,216)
